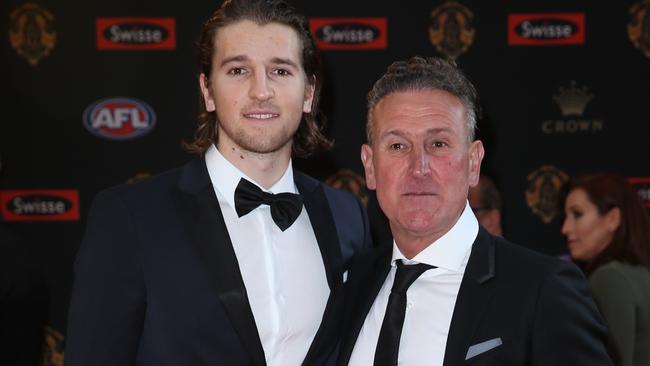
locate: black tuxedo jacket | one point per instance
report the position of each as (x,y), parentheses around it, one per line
(157,281)
(514,307)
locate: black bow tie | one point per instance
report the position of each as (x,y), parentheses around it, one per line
(285,207)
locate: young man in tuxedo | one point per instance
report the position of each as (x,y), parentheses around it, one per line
(446,292)
(234,258)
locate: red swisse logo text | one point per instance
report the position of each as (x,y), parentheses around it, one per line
(546,29)
(40,205)
(349,33)
(136,33)
(642,185)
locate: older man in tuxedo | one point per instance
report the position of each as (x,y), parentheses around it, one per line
(446,292)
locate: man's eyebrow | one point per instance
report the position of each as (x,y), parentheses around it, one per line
(284,61)
(435,131)
(274,60)
(431,131)
(236,58)
(398,133)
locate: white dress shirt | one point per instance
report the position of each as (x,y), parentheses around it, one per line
(430,299)
(283,271)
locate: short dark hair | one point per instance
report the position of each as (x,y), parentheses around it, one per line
(309,138)
(631,240)
(430,73)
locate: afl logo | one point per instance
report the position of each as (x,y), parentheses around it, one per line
(119,118)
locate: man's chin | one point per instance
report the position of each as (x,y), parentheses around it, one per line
(418,221)
(263,145)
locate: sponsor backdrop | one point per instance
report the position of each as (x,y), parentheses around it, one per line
(102,93)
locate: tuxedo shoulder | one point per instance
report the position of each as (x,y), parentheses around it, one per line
(151,191)
(148,186)
(331,192)
(521,259)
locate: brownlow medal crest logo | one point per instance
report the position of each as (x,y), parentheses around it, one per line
(347,180)
(638,29)
(451,29)
(31,32)
(52,347)
(544,186)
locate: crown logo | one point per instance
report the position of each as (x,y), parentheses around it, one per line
(572,100)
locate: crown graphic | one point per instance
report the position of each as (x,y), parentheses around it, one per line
(572,100)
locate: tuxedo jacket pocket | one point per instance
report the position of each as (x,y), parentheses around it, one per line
(481,348)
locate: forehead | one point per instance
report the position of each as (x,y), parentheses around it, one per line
(419,111)
(255,41)
(578,197)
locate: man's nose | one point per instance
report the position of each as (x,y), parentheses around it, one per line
(261,88)
(419,161)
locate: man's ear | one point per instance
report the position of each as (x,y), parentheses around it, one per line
(476,153)
(368,167)
(309,95)
(207,94)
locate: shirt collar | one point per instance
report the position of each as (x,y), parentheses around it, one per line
(451,249)
(225,177)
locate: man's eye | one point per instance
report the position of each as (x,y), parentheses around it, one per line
(397,146)
(236,71)
(577,214)
(439,144)
(282,72)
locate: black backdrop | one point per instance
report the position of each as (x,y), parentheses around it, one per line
(564,87)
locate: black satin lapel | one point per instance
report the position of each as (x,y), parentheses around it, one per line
(364,288)
(320,216)
(473,298)
(322,222)
(214,248)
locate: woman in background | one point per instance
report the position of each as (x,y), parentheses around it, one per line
(608,232)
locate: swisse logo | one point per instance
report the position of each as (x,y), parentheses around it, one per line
(546,29)
(40,205)
(349,33)
(136,33)
(119,118)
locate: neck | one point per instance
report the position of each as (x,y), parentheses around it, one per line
(264,168)
(411,245)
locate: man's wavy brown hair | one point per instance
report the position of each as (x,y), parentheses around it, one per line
(309,138)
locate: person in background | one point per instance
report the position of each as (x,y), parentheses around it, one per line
(608,232)
(485,201)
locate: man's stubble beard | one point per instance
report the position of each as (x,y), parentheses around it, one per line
(261,142)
